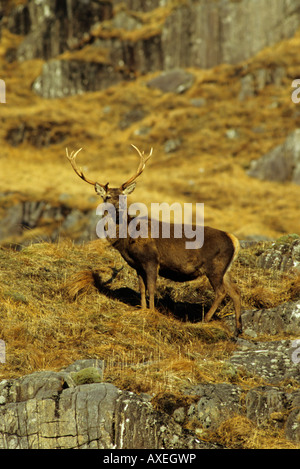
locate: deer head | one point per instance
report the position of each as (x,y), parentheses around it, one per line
(110,194)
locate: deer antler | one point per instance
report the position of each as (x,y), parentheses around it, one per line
(79,171)
(140,168)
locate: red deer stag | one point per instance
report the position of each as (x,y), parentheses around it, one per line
(169,257)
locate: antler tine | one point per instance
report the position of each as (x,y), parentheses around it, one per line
(141,166)
(77,170)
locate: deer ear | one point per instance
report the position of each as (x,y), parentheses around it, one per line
(100,190)
(129,189)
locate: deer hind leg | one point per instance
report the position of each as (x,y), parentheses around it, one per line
(220,294)
(215,276)
(222,288)
(234,294)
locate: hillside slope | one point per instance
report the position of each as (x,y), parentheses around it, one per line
(65,296)
(204,141)
(69,303)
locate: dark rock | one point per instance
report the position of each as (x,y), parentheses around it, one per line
(38,385)
(42,42)
(197,34)
(175,81)
(284,318)
(264,405)
(86,363)
(292,429)
(19,21)
(42,135)
(267,404)
(11,222)
(59,26)
(32,212)
(132,116)
(69,77)
(280,164)
(253,83)
(217,402)
(19,215)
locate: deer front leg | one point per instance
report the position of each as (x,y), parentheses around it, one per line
(151,274)
(142,291)
(147,282)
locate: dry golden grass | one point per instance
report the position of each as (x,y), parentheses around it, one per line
(40,316)
(83,300)
(241,433)
(69,301)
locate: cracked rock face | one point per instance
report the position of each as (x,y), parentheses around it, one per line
(50,410)
(284,255)
(47,410)
(284,318)
(217,402)
(273,361)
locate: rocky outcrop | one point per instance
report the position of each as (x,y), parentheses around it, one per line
(73,408)
(281,164)
(263,405)
(225,32)
(252,83)
(212,33)
(47,410)
(194,34)
(283,254)
(270,404)
(284,319)
(273,361)
(53,27)
(214,404)
(55,221)
(41,135)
